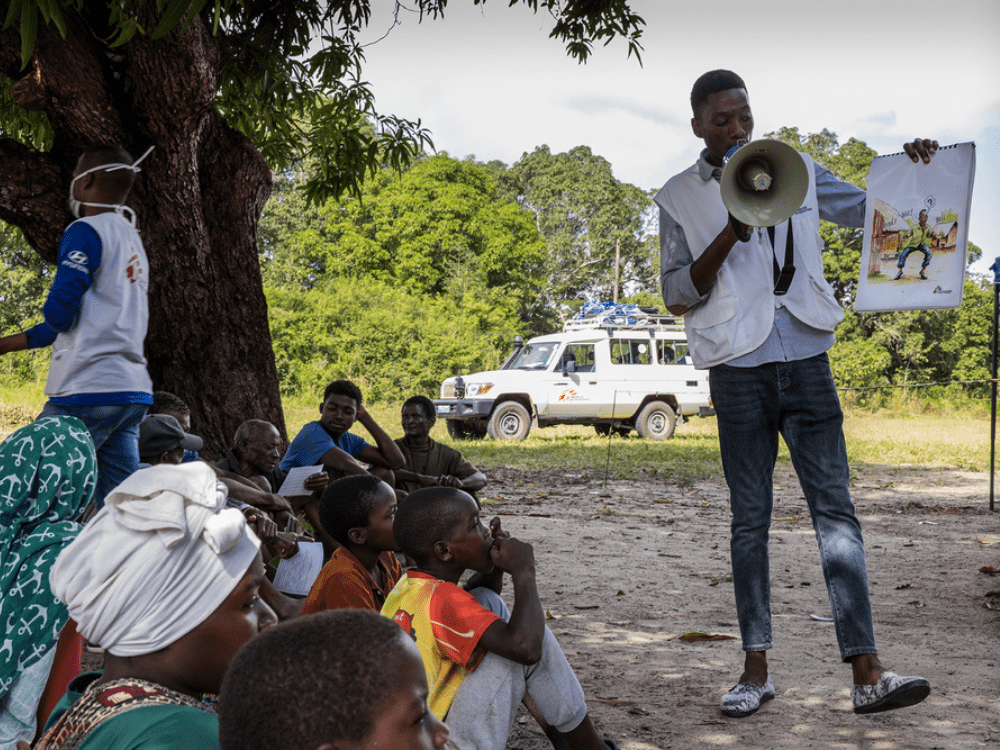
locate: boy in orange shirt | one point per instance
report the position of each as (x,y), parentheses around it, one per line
(480,658)
(358,512)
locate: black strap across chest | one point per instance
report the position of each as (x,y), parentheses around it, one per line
(783,275)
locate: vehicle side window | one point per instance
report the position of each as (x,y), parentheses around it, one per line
(628,352)
(582,355)
(673,353)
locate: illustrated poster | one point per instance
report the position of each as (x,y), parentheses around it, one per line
(916,230)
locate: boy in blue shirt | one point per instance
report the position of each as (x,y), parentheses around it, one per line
(96,316)
(329,442)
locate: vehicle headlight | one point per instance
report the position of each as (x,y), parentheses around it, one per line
(478,389)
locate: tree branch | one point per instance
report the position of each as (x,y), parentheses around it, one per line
(68,79)
(33,195)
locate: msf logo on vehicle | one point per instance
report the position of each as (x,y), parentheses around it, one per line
(570,394)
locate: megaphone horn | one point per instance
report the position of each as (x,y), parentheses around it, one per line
(764,182)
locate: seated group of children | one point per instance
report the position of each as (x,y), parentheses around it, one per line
(480,660)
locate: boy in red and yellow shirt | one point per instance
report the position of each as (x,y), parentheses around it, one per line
(479,657)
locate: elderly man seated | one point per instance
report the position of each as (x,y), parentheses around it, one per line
(428,462)
(255,454)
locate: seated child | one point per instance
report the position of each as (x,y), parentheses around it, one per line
(357,512)
(479,657)
(363,677)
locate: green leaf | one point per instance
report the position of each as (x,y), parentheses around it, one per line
(175,12)
(126,32)
(43,6)
(196,8)
(12,12)
(59,20)
(29,31)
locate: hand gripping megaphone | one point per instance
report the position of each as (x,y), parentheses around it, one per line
(764,182)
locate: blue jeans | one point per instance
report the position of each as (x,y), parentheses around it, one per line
(115,431)
(915,249)
(799,400)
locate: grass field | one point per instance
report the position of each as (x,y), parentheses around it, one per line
(910,434)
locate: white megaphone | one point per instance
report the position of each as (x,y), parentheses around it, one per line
(764,182)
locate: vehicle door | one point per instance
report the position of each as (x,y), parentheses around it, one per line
(574,389)
(630,376)
(679,375)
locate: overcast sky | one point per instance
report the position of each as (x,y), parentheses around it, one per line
(488,82)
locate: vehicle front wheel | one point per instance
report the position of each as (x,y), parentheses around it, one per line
(510,421)
(656,421)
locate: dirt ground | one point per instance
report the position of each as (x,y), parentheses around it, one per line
(626,568)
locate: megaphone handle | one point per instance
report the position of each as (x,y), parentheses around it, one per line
(740,234)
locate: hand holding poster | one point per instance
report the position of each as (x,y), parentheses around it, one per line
(916,231)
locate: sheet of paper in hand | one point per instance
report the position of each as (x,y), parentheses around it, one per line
(296,574)
(916,229)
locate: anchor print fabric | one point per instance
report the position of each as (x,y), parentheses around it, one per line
(48,472)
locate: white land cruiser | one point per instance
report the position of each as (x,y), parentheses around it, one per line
(618,375)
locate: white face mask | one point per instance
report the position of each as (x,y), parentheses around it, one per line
(74,204)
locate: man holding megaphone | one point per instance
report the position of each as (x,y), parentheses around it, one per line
(740,258)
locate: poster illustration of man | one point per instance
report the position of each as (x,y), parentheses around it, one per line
(917,238)
(916,227)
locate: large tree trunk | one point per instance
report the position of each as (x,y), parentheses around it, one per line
(197,199)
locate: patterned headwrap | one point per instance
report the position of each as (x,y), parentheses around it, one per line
(48,472)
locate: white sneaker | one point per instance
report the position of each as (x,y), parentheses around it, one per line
(745,698)
(891,691)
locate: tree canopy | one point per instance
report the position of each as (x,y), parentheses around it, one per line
(227,92)
(585,214)
(289,74)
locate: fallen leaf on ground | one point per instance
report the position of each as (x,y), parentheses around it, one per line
(989,569)
(694,636)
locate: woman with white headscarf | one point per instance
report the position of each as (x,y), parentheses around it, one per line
(48,471)
(165,578)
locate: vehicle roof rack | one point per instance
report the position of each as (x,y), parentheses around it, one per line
(625,323)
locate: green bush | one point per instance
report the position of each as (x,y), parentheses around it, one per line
(393,343)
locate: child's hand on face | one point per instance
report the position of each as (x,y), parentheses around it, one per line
(496,531)
(512,555)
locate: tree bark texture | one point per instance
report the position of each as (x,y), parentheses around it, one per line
(197,200)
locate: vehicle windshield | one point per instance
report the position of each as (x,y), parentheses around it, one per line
(534,356)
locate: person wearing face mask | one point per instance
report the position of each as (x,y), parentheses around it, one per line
(96,315)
